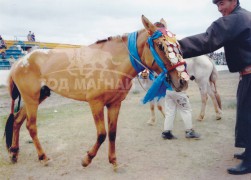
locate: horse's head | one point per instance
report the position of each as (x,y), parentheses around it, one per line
(163,44)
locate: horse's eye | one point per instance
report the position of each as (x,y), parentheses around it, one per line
(160,46)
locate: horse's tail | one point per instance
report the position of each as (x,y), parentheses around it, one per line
(14,93)
(212,79)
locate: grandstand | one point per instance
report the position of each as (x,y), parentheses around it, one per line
(17,49)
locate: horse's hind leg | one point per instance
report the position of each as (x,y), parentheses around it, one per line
(98,115)
(31,109)
(19,119)
(217,108)
(113,112)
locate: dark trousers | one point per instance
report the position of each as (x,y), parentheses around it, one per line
(243,119)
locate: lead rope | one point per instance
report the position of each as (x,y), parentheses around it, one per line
(141,84)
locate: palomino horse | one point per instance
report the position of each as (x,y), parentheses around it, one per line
(100,74)
(203,71)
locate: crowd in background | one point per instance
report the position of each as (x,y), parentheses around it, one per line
(218,57)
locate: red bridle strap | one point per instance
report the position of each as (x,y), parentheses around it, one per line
(176,65)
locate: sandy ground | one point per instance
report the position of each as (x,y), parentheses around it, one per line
(66,131)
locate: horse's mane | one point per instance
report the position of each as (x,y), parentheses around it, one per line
(158,24)
(108,39)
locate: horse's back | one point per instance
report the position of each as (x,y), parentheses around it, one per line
(200,67)
(78,73)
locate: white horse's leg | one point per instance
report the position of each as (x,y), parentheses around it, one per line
(151,121)
(212,94)
(160,104)
(203,93)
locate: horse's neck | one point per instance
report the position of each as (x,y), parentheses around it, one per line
(118,48)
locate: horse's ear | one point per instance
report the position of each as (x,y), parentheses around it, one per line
(148,25)
(163,22)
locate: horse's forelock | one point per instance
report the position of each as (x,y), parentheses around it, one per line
(159,25)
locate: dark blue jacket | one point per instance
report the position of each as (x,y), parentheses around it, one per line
(232,31)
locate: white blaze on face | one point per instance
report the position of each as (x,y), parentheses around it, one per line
(24,61)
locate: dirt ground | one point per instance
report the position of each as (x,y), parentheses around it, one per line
(66,131)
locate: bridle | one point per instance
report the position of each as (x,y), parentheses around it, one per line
(168,44)
(171,49)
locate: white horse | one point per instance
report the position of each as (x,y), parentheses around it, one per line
(203,71)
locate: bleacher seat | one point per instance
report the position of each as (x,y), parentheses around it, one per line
(13,51)
(4,64)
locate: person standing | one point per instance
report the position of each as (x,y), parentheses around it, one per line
(2,43)
(233,32)
(33,37)
(11,60)
(178,101)
(29,36)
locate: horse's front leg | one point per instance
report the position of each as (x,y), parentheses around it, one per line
(19,119)
(203,93)
(152,119)
(160,104)
(98,115)
(113,112)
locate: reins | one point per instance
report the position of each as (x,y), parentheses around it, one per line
(141,84)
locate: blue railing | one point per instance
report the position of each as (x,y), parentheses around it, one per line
(4,64)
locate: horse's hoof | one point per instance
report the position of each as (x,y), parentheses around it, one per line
(13,159)
(218,118)
(151,123)
(200,118)
(115,167)
(86,161)
(46,161)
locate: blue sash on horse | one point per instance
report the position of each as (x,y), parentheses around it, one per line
(159,86)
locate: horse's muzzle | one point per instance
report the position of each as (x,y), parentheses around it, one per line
(180,85)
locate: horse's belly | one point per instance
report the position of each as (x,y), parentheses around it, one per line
(85,89)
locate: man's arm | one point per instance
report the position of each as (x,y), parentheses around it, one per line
(220,31)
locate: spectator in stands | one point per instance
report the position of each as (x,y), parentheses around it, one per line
(33,37)
(29,36)
(3,55)
(2,43)
(11,60)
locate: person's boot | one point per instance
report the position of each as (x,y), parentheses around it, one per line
(168,135)
(240,155)
(191,134)
(243,168)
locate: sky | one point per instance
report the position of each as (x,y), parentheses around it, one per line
(86,21)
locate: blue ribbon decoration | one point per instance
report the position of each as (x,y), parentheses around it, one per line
(151,75)
(159,86)
(134,56)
